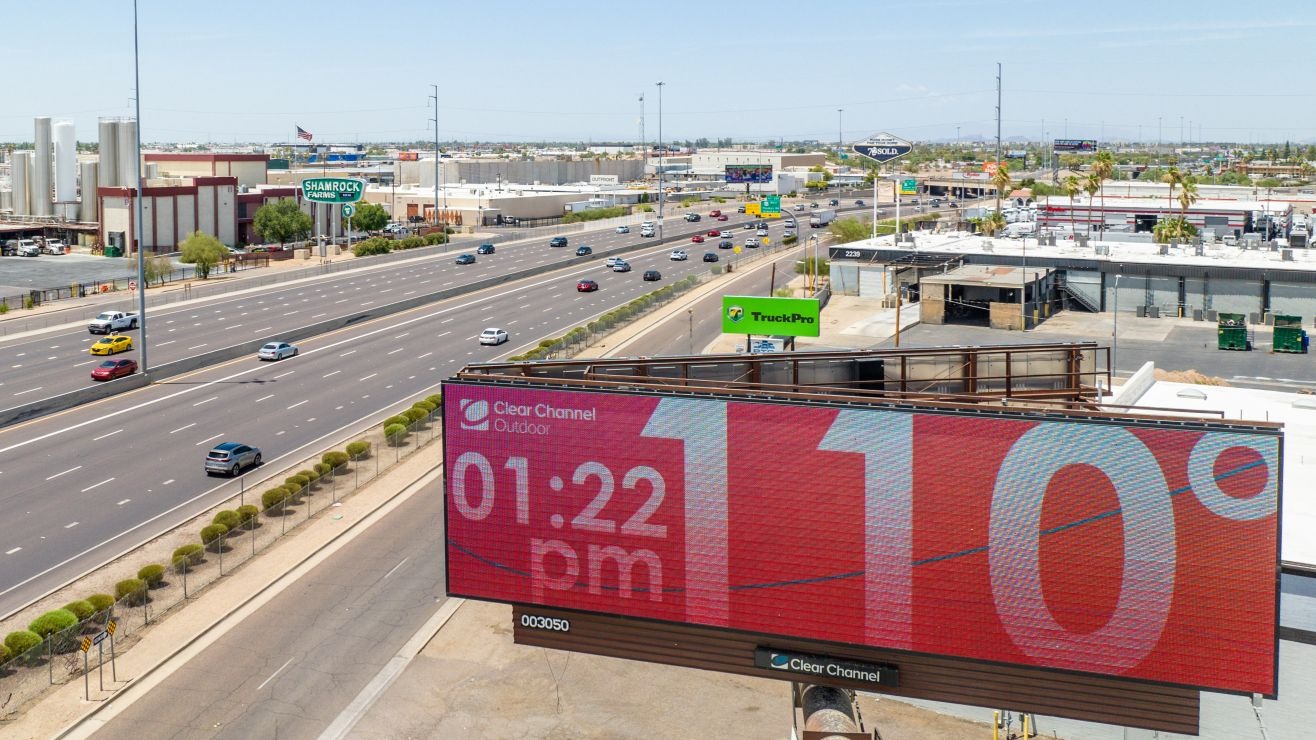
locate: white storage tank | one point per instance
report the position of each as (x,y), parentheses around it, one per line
(39,174)
(66,170)
(108,172)
(127,152)
(18,171)
(89,181)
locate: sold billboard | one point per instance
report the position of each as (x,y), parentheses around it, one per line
(787,317)
(1082,146)
(1109,546)
(743,173)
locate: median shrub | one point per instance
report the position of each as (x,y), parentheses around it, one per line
(435,399)
(5,655)
(296,482)
(429,407)
(358,449)
(409,242)
(414,414)
(192,553)
(390,421)
(790,240)
(212,536)
(21,641)
(371,247)
(436,238)
(323,469)
(81,609)
(101,603)
(229,519)
(52,622)
(273,497)
(395,433)
(152,574)
(335,459)
(131,591)
(310,475)
(247,514)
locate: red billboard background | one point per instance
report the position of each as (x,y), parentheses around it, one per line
(1141,551)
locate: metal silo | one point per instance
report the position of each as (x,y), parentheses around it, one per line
(108,172)
(90,210)
(66,170)
(39,174)
(18,170)
(127,151)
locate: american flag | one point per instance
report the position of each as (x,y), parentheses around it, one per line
(303,133)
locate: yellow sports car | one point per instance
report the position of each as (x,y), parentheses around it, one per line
(112,345)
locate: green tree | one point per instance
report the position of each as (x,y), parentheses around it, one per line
(992,223)
(1072,189)
(202,250)
(1001,181)
(156,267)
(1103,166)
(282,221)
(369,217)
(1172,177)
(849,230)
(1187,197)
(1092,184)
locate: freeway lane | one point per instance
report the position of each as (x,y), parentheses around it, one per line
(87,484)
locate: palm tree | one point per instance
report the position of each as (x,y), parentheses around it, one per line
(1172,177)
(1072,189)
(1091,184)
(992,223)
(1186,198)
(1001,181)
(1103,166)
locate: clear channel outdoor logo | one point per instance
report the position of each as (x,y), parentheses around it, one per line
(735,313)
(779,661)
(475,415)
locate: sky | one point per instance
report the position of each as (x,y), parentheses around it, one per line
(246,71)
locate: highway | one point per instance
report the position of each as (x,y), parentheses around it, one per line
(87,484)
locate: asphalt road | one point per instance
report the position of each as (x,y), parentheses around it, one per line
(84,485)
(290,668)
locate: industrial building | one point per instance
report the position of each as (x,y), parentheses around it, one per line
(1217,218)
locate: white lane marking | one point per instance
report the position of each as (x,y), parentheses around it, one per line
(272,675)
(236,326)
(171,480)
(208,400)
(121,503)
(409,292)
(522,308)
(318,315)
(15,366)
(349,352)
(103,436)
(171,341)
(278,434)
(97,485)
(395,568)
(207,439)
(11,552)
(263,398)
(342,301)
(53,357)
(29,390)
(280,375)
(368,377)
(326,375)
(367,303)
(427,354)
(70,525)
(189,426)
(446,321)
(258,331)
(199,346)
(444,334)
(394,352)
(299,403)
(403,334)
(70,470)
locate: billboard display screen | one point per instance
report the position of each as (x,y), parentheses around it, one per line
(742,173)
(1075,145)
(1104,546)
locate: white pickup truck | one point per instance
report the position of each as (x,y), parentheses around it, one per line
(113,321)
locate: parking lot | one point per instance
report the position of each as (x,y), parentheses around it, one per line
(21,274)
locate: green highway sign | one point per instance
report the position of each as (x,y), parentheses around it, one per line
(908,186)
(333,189)
(770,205)
(788,317)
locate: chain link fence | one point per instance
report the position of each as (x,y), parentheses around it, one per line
(46,651)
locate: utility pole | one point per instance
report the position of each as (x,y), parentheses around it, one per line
(840,139)
(662,192)
(435,121)
(998,114)
(137,227)
(644,155)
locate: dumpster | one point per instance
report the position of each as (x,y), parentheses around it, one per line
(1289,335)
(113,251)
(1231,332)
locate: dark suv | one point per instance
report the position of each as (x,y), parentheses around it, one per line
(230,458)
(557,241)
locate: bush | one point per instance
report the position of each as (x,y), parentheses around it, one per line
(436,238)
(152,574)
(192,553)
(83,610)
(395,433)
(790,240)
(247,514)
(310,475)
(21,641)
(370,247)
(409,242)
(429,407)
(358,449)
(296,482)
(4,651)
(273,497)
(435,399)
(323,469)
(414,414)
(390,421)
(212,535)
(594,214)
(229,519)
(54,621)
(132,591)
(101,603)
(334,459)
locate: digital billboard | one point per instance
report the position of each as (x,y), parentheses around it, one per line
(742,173)
(1104,546)
(1083,146)
(787,317)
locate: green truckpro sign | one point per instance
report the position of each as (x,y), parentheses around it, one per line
(787,317)
(333,189)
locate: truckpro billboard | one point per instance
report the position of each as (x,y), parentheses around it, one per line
(1106,546)
(788,317)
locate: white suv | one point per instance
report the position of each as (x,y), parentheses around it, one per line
(679,255)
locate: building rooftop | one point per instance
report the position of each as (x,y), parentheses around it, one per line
(989,276)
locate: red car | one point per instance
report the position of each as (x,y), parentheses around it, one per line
(111,369)
(722,217)
(714,214)
(586,286)
(714,232)
(697,238)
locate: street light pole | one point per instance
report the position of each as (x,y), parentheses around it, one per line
(662,191)
(1115,335)
(137,227)
(690,314)
(840,139)
(435,121)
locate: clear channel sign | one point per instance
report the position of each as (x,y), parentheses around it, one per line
(882,147)
(333,189)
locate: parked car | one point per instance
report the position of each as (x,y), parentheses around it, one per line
(586,286)
(697,238)
(466,259)
(112,345)
(494,336)
(710,256)
(485,249)
(276,351)
(621,266)
(726,244)
(229,458)
(557,241)
(583,250)
(652,275)
(623,229)
(111,369)
(678,255)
